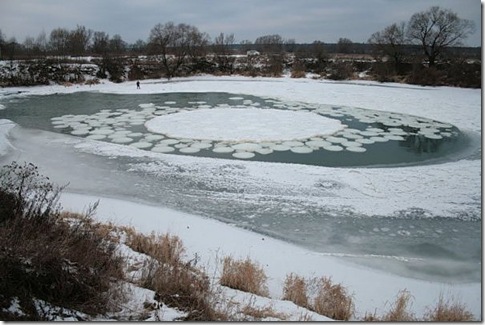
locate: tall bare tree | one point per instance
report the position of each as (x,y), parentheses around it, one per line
(390,41)
(58,41)
(223,52)
(175,43)
(436,29)
(79,40)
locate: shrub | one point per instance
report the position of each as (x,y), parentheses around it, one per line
(399,309)
(244,275)
(45,257)
(295,290)
(176,283)
(332,300)
(448,311)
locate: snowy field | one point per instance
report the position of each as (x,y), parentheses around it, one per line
(449,190)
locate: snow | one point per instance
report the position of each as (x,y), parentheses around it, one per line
(438,189)
(248,124)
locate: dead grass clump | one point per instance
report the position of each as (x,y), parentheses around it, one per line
(164,248)
(244,275)
(295,290)
(448,311)
(176,283)
(332,300)
(257,314)
(399,309)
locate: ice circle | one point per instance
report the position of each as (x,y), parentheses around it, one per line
(248,124)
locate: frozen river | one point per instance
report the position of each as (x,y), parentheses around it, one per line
(317,207)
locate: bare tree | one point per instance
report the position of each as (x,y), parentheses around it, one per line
(116,45)
(436,29)
(100,43)
(270,43)
(174,43)
(58,41)
(223,51)
(344,45)
(390,41)
(79,40)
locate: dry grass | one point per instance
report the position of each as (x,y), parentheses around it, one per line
(332,300)
(244,275)
(164,248)
(259,314)
(448,311)
(399,309)
(295,290)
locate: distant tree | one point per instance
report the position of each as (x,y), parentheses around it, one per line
(79,40)
(319,56)
(246,45)
(269,43)
(41,42)
(100,44)
(390,42)
(223,52)
(117,45)
(344,45)
(139,47)
(290,45)
(175,43)
(59,40)
(436,29)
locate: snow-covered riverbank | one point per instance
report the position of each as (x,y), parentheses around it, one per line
(450,190)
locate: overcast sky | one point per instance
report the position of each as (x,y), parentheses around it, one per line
(303,20)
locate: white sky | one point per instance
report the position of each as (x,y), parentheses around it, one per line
(303,20)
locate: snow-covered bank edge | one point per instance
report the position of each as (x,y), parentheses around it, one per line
(211,240)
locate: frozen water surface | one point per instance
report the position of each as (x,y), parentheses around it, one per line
(334,211)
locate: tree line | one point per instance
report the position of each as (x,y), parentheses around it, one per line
(426,37)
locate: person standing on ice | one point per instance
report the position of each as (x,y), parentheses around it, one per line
(138,85)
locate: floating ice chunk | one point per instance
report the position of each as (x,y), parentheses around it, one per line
(119,134)
(122,140)
(293,143)
(349,135)
(60,126)
(394,137)
(202,145)
(317,143)
(141,145)
(377,130)
(279,147)
(352,144)
(301,149)
(243,155)
(223,149)
(162,149)
(379,139)
(247,146)
(102,131)
(181,145)
(170,103)
(264,151)
(80,132)
(136,134)
(333,148)
(96,137)
(356,149)
(335,139)
(189,150)
(149,105)
(169,141)
(248,124)
(365,141)
(236,98)
(433,136)
(153,137)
